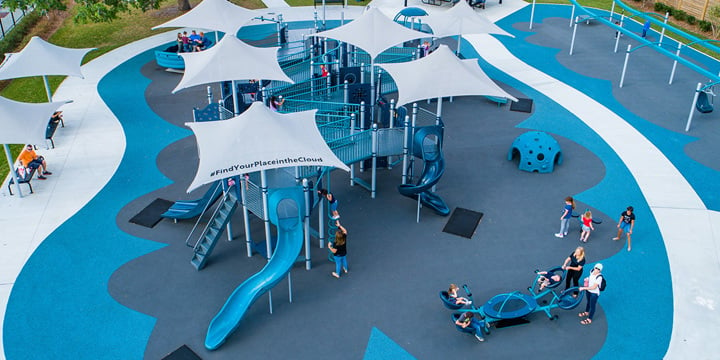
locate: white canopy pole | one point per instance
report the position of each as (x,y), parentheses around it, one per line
(47,88)
(12,171)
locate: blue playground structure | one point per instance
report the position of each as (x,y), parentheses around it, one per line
(170,57)
(286,212)
(538,152)
(427,145)
(514,307)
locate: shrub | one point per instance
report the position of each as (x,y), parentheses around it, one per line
(660,7)
(691,20)
(705,26)
(679,15)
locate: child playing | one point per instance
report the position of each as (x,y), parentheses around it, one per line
(332,201)
(587,225)
(454,298)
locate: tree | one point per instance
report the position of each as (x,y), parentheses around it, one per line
(713,16)
(92,10)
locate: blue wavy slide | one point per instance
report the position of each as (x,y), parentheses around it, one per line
(286,213)
(433,169)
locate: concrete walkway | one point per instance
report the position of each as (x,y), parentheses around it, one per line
(90,147)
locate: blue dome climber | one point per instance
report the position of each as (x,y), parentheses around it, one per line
(538,152)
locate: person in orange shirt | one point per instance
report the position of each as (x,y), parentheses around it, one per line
(32,160)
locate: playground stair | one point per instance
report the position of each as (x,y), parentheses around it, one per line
(214,230)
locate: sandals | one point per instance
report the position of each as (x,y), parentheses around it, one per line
(583,314)
(586,322)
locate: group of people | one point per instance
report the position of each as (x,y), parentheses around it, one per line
(194,42)
(624,225)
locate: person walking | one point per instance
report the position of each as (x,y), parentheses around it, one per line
(645,28)
(587,225)
(565,217)
(339,250)
(592,289)
(573,265)
(626,224)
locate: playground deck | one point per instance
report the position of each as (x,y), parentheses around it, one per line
(112,289)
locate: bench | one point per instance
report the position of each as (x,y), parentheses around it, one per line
(50,131)
(23,180)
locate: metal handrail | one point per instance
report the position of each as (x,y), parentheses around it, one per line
(187,240)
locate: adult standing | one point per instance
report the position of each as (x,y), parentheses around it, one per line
(339,250)
(565,217)
(626,224)
(592,290)
(573,265)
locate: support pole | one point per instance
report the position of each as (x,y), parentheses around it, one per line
(406,141)
(572,15)
(47,88)
(572,42)
(677,54)
(306,222)
(532,14)
(266,212)
(692,107)
(236,103)
(662,32)
(352,166)
(373,184)
(627,57)
(12,169)
(321,219)
(246,214)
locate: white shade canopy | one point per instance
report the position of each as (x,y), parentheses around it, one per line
(259,139)
(443,74)
(39,58)
(373,32)
(230,59)
(461,19)
(219,15)
(24,123)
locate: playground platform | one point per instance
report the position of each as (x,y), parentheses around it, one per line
(78,281)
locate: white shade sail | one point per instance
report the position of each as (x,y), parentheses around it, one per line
(39,58)
(24,123)
(461,19)
(230,59)
(259,139)
(443,74)
(373,32)
(219,15)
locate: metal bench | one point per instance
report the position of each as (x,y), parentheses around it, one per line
(23,180)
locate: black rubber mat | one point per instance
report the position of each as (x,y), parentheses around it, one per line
(182,353)
(522,105)
(511,322)
(150,215)
(463,222)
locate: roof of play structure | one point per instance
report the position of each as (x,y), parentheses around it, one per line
(373,32)
(441,74)
(40,57)
(219,15)
(259,139)
(24,123)
(461,19)
(231,59)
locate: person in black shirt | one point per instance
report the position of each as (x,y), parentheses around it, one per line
(339,250)
(626,224)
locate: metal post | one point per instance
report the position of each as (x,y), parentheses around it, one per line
(352,131)
(312,79)
(11,166)
(572,42)
(662,32)
(321,219)
(362,127)
(627,57)
(391,125)
(374,159)
(246,214)
(612,10)
(532,14)
(362,73)
(692,107)
(413,122)
(209,95)
(290,285)
(306,222)
(266,211)
(677,55)
(236,103)
(47,88)
(572,15)
(346,93)
(406,141)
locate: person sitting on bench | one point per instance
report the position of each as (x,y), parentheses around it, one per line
(454,298)
(57,118)
(31,160)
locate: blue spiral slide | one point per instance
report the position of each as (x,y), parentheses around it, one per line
(427,145)
(286,213)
